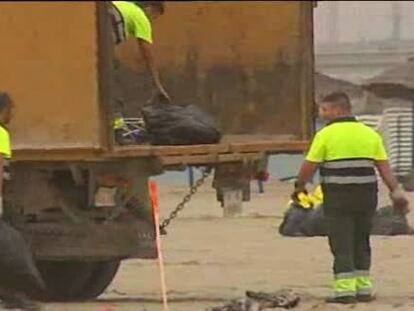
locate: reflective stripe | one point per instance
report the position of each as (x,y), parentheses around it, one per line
(348,171)
(348,164)
(362,273)
(343,180)
(345,294)
(345,275)
(364,291)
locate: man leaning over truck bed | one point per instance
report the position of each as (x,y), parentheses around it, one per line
(133,19)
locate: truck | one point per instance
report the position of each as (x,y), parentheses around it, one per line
(249,64)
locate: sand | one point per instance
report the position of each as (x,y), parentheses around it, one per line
(210,259)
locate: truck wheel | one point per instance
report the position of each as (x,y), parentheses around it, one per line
(102,276)
(76,280)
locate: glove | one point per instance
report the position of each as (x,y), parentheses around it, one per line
(298,190)
(399,200)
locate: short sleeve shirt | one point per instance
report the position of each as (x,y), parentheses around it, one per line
(5,148)
(346,139)
(136,22)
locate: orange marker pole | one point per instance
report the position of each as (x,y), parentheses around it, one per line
(156,211)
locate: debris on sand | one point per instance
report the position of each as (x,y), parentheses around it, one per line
(257,301)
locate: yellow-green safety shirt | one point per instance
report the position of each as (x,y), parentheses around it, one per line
(130,21)
(347,150)
(5,151)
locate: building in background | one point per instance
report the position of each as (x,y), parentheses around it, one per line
(371,44)
(356,40)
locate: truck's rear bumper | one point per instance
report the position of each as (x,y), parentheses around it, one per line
(91,241)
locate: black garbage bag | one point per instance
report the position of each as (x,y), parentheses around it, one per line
(389,221)
(169,124)
(18,272)
(294,220)
(311,222)
(315,224)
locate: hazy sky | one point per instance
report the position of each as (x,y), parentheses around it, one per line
(363,20)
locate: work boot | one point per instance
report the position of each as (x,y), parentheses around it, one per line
(365,298)
(346,300)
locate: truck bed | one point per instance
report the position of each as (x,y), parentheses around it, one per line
(231,149)
(260,86)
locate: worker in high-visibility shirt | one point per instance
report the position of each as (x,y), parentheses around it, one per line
(347,153)
(19,275)
(5,149)
(133,19)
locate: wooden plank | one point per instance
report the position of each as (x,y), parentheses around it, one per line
(147,150)
(188,160)
(249,138)
(209,159)
(270,146)
(64,154)
(175,152)
(234,147)
(130,151)
(190,150)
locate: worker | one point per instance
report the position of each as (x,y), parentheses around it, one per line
(20,275)
(133,19)
(5,149)
(347,152)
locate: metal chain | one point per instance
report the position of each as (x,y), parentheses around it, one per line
(187,198)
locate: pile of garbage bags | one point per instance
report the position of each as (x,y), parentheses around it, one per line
(309,222)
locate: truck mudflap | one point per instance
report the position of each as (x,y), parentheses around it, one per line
(91,241)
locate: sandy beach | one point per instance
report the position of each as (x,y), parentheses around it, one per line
(210,259)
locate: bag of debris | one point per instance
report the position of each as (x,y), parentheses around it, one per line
(18,271)
(311,222)
(389,221)
(315,224)
(294,220)
(169,124)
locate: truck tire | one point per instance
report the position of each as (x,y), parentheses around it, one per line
(76,280)
(101,277)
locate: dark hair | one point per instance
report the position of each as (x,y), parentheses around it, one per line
(5,100)
(340,99)
(158,5)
